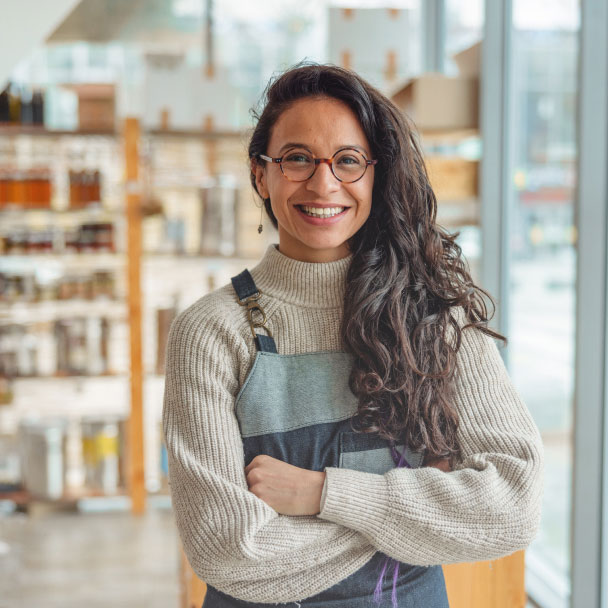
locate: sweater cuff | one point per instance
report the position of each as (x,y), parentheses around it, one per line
(355,499)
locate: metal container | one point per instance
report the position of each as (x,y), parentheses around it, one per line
(82,345)
(219,196)
(43,456)
(18,351)
(10,467)
(103,450)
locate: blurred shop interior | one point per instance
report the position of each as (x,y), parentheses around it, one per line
(125,196)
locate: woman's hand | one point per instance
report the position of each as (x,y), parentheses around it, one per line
(289,490)
(439,463)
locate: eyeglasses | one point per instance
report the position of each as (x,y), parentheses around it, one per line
(347,164)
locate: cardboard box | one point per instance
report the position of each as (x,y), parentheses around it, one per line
(453,179)
(469,61)
(96,106)
(435,101)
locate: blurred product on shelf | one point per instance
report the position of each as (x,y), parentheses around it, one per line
(6,390)
(17,287)
(98,285)
(151,206)
(219,198)
(21,108)
(90,237)
(82,346)
(10,467)
(25,188)
(32,188)
(85,188)
(61,458)
(96,106)
(174,241)
(23,240)
(18,352)
(5,106)
(43,456)
(94,237)
(104,451)
(55,348)
(164,318)
(26,287)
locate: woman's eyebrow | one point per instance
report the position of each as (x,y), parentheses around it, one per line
(295,144)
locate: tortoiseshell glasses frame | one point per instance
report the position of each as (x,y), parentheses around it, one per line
(317,161)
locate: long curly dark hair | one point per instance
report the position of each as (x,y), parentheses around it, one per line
(406,274)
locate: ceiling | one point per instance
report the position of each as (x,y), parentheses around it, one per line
(154,21)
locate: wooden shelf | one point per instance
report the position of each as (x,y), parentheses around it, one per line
(85,500)
(107,259)
(52,310)
(448,135)
(70,377)
(194,133)
(8,130)
(94,210)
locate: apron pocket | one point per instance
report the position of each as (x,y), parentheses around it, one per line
(371,454)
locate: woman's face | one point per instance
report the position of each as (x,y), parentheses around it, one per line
(322,126)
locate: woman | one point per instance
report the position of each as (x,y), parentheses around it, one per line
(342,409)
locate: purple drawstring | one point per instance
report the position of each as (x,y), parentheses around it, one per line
(402,462)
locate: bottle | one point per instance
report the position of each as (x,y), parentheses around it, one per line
(4,106)
(37,107)
(14,105)
(96,193)
(27,115)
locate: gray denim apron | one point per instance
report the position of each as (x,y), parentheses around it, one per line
(298,409)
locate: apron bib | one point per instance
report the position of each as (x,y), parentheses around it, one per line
(298,409)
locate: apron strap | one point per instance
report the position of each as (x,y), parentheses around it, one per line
(248,295)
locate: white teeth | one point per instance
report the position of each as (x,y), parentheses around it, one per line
(322,212)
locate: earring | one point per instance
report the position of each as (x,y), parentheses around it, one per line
(260,227)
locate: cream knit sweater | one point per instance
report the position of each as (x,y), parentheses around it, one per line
(487,507)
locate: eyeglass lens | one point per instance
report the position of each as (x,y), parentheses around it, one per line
(299,165)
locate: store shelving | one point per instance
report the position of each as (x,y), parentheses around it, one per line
(453,162)
(45,293)
(171,167)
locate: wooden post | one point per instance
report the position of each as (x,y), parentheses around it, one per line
(192,589)
(498,583)
(134,237)
(211,145)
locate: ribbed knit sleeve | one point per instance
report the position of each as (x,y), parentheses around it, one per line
(489,506)
(233,540)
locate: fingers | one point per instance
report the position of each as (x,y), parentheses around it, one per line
(442,464)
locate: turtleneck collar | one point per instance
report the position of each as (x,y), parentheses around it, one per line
(302,283)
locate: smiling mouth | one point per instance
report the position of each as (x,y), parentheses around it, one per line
(321,212)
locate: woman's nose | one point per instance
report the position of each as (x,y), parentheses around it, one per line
(323,180)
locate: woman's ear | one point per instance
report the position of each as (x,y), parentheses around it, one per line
(260,178)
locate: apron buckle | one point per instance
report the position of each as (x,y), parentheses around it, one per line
(251,303)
